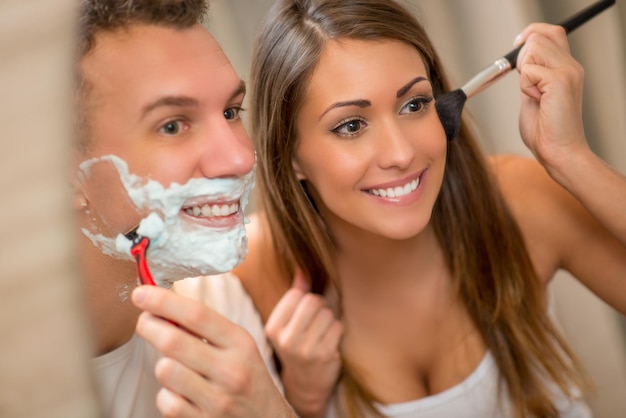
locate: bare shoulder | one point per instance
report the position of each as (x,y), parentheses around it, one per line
(526,185)
(514,170)
(540,206)
(559,232)
(259,272)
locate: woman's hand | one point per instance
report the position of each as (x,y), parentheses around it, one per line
(306,337)
(551,82)
(588,222)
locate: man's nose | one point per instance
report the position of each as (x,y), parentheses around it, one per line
(227,151)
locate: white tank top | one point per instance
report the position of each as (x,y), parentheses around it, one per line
(475,397)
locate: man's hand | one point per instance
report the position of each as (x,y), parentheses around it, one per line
(210,366)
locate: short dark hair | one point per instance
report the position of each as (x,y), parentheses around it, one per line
(97,16)
(110,15)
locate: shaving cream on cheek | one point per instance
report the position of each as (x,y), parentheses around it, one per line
(180,248)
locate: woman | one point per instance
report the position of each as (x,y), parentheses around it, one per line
(439,256)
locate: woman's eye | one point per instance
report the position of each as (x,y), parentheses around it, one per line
(349,127)
(417,104)
(172,127)
(233,113)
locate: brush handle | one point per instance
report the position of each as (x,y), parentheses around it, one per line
(508,62)
(569,24)
(584,15)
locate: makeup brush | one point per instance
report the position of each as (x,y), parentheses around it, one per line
(450,105)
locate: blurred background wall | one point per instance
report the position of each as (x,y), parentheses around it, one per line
(43,349)
(469,35)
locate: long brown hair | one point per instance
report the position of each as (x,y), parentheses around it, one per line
(482,244)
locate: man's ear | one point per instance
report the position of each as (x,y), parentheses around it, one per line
(79,198)
(296,168)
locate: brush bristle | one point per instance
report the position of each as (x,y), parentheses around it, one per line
(449,108)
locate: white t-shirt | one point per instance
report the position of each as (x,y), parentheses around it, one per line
(475,397)
(125,376)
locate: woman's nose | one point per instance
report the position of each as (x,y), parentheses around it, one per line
(395,148)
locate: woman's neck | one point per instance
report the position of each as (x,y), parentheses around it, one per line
(371,260)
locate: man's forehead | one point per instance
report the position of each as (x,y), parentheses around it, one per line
(141,40)
(146,54)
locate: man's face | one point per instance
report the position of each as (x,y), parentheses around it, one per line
(165,103)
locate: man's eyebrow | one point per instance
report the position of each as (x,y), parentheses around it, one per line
(177,101)
(402,91)
(186,101)
(360,103)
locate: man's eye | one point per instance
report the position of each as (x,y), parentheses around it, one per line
(232,113)
(172,127)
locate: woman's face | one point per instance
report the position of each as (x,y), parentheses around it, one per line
(370,142)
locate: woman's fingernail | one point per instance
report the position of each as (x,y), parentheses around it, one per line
(518,40)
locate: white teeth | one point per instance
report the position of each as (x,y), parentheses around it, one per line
(209,211)
(396,191)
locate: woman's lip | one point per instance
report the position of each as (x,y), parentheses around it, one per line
(397,183)
(404,197)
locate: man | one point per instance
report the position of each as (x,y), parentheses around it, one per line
(161,145)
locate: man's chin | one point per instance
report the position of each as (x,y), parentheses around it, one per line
(166,276)
(182,252)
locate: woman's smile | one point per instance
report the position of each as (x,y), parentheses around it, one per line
(396,190)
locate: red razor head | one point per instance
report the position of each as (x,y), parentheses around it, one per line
(138,250)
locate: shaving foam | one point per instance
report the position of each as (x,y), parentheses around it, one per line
(178,248)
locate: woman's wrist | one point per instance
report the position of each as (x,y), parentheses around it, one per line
(306,399)
(568,167)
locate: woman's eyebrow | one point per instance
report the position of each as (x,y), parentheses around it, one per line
(359,102)
(365,103)
(402,91)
